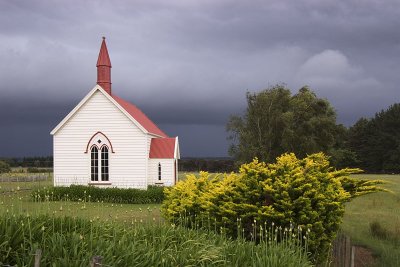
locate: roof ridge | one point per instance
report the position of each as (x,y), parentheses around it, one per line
(140,116)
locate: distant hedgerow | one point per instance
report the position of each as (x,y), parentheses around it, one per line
(153,195)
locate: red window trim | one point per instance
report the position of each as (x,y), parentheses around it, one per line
(90,140)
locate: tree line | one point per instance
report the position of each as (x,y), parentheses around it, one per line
(277,121)
(207,164)
(34,162)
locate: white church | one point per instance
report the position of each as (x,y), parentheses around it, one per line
(106,141)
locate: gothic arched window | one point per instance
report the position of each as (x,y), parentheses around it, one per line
(100,149)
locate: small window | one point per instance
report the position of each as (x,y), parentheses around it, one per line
(104,163)
(159,171)
(94,164)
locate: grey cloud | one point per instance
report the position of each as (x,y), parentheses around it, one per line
(189,64)
(343,83)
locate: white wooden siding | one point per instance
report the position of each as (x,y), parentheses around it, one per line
(167,171)
(127,167)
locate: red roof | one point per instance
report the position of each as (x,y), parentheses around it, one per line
(162,148)
(104,58)
(139,116)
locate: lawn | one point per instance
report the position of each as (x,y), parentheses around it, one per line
(383,208)
(15,198)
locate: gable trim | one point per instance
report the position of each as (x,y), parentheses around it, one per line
(176,150)
(90,140)
(85,99)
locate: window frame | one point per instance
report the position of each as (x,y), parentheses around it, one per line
(94,164)
(100,143)
(104,173)
(159,171)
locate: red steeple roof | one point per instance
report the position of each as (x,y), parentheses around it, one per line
(104,58)
(104,68)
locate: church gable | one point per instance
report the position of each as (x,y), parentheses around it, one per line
(102,106)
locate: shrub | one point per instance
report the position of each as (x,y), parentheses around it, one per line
(4,167)
(306,192)
(154,194)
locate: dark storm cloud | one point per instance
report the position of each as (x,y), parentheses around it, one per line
(188,64)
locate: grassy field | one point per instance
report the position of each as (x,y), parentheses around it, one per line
(70,233)
(382,208)
(15,199)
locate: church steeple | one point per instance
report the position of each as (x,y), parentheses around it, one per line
(104,68)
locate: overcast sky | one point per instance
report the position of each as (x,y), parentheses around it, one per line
(188,64)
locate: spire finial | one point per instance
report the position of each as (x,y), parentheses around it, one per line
(104,68)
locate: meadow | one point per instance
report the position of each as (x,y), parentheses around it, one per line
(371,221)
(70,233)
(381,210)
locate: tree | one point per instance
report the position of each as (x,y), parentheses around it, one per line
(4,167)
(276,122)
(341,156)
(376,141)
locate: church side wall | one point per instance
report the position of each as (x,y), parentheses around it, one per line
(167,171)
(127,166)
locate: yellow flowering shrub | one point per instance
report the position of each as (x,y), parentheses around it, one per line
(304,192)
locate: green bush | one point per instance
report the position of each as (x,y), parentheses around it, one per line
(70,241)
(305,192)
(154,194)
(4,167)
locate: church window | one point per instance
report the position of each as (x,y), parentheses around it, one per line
(94,164)
(100,149)
(104,163)
(159,171)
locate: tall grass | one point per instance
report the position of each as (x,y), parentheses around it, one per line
(69,241)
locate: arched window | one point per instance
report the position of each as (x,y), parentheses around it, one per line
(104,163)
(159,171)
(100,149)
(94,164)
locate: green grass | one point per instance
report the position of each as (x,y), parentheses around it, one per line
(16,198)
(20,202)
(383,208)
(70,233)
(24,185)
(72,242)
